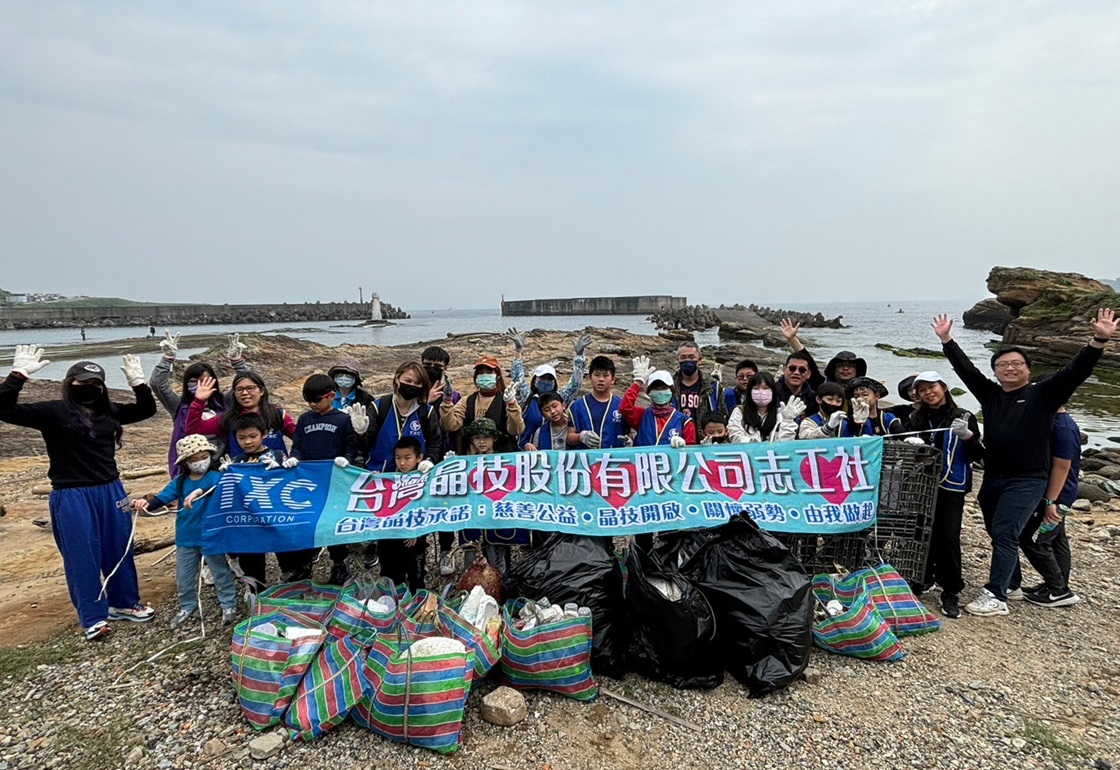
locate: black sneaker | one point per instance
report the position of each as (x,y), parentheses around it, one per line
(339,574)
(950,606)
(1065,598)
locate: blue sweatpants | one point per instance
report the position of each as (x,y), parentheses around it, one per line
(91,526)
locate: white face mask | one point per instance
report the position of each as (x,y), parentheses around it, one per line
(199,468)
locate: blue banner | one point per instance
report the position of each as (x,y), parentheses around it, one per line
(825,487)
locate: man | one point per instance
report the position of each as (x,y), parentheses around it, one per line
(1018,420)
(435,361)
(694,394)
(794,381)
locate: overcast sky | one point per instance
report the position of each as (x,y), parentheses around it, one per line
(446,153)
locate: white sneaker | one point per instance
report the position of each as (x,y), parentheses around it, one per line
(207,575)
(138,613)
(1015,595)
(986,604)
(446,566)
(97,631)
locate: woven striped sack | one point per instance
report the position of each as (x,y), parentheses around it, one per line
(859,631)
(555,657)
(314,600)
(892,597)
(267,667)
(351,613)
(418,701)
(428,615)
(334,683)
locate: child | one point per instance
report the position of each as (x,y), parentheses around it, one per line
(402,561)
(482,435)
(715,429)
(826,422)
(760,418)
(195,478)
(323,433)
(596,419)
(553,433)
(864,393)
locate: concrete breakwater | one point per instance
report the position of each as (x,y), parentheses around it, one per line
(46,315)
(641,305)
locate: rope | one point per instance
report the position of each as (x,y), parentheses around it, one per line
(125,555)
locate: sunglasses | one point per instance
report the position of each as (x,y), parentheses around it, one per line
(319,398)
(797,369)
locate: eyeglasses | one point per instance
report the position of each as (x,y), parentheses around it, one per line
(797,369)
(1010,364)
(246,389)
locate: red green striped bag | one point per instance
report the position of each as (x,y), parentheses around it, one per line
(267,667)
(315,600)
(892,597)
(333,684)
(859,631)
(418,701)
(554,657)
(351,615)
(427,615)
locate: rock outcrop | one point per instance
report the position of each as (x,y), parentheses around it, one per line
(988,314)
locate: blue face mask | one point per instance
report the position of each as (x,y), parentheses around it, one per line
(545,386)
(345,380)
(192,388)
(486,381)
(688,368)
(661,397)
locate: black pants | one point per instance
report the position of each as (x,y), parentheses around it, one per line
(402,564)
(446,542)
(944,564)
(253,565)
(1050,557)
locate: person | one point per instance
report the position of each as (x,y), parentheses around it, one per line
(482,436)
(694,396)
(908,399)
(83,331)
(88,506)
(151,331)
(196,455)
(250,395)
(347,376)
(714,431)
(844,367)
(825,423)
(323,432)
(553,434)
(1047,547)
(596,418)
(178,404)
(955,433)
(863,394)
(402,560)
(740,391)
(435,361)
(760,418)
(493,399)
(1018,421)
(544,381)
(793,382)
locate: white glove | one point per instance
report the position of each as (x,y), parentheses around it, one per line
(236,347)
(425,465)
(28,360)
(625,441)
(341,462)
(914,440)
(959,428)
(169,344)
(359,418)
(509,395)
(793,408)
(834,420)
(677,442)
(449,455)
(270,464)
(861,410)
(290,462)
(590,439)
(227,461)
(706,441)
(717,373)
(642,369)
(133,370)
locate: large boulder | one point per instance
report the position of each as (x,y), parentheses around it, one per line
(988,314)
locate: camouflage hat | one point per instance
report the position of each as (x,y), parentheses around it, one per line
(483,426)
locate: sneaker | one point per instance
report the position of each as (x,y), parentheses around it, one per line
(98,631)
(986,604)
(446,566)
(950,606)
(229,616)
(1015,595)
(1065,598)
(207,575)
(43,523)
(339,575)
(140,613)
(181,617)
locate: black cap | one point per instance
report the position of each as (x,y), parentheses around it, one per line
(85,370)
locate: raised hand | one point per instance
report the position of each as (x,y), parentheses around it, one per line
(224,464)
(1104,325)
(943,327)
(581,344)
(792,409)
(959,428)
(169,344)
(642,370)
(717,373)
(509,395)
(789,328)
(133,370)
(861,410)
(207,386)
(517,338)
(359,418)
(448,391)
(28,360)
(236,347)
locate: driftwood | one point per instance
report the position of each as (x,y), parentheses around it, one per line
(147,546)
(42,489)
(143,472)
(650,709)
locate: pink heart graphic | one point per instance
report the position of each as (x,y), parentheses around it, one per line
(615,499)
(492,480)
(714,482)
(828,471)
(400,502)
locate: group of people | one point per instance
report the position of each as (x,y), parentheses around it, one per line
(1030,452)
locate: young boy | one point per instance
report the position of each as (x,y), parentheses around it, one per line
(553,434)
(596,419)
(864,393)
(715,429)
(195,477)
(402,561)
(249,430)
(826,423)
(496,543)
(733,396)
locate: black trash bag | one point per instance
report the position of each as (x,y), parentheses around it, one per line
(673,549)
(572,568)
(764,608)
(671,639)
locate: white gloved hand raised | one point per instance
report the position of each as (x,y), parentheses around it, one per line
(341,462)
(226,461)
(425,465)
(359,418)
(236,347)
(509,395)
(290,462)
(169,344)
(959,428)
(677,442)
(835,418)
(28,360)
(717,373)
(590,439)
(133,370)
(861,410)
(793,408)
(642,369)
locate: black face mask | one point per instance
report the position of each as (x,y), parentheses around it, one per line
(827,408)
(86,395)
(435,374)
(409,392)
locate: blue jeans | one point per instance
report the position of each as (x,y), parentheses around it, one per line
(1007,505)
(187,559)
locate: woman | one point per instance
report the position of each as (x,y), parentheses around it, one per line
(348,379)
(178,404)
(493,399)
(404,412)
(760,418)
(89,507)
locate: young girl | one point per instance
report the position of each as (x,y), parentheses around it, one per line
(759,418)
(496,543)
(89,507)
(194,479)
